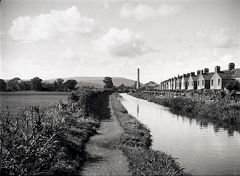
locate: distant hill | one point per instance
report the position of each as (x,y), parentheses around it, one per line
(98,81)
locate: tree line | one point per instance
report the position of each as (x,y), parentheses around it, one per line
(36,84)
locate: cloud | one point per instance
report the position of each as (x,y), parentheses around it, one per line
(70,54)
(145,11)
(223,38)
(123,42)
(106,5)
(54,25)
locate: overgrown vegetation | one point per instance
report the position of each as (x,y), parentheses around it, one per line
(135,143)
(48,141)
(222,112)
(233,85)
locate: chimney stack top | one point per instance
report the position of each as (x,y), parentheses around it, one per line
(217,69)
(231,66)
(206,70)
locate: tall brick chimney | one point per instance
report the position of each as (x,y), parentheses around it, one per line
(138,78)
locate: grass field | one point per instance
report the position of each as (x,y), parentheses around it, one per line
(16,100)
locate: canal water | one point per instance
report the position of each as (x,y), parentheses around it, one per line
(200,149)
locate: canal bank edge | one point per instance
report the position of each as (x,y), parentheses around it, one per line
(135,143)
(222,114)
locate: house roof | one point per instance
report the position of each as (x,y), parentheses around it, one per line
(208,76)
(197,77)
(186,78)
(180,78)
(194,78)
(227,74)
(237,73)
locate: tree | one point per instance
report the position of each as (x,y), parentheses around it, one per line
(70,85)
(36,84)
(48,87)
(25,85)
(108,83)
(58,84)
(3,85)
(13,84)
(233,85)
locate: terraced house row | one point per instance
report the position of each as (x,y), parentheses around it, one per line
(203,79)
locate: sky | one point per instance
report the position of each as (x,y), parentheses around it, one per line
(58,39)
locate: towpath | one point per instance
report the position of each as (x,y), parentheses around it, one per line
(103,158)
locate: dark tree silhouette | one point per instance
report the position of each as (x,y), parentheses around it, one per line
(58,84)
(233,85)
(70,85)
(25,85)
(36,84)
(13,84)
(3,85)
(108,83)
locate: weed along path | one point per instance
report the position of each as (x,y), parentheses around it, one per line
(102,157)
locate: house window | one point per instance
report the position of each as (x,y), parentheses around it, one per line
(192,83)
(219,82)
(212,81)
(203,82)
(198,83)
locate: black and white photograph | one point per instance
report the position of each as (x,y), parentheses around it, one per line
(119,87)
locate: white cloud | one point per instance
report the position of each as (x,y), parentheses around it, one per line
(106,5)
(123,42)
(223,38)
(54,25)
(145,11)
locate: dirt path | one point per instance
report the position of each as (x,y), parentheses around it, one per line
(103,159)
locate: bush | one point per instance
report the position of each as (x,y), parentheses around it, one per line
(233,85)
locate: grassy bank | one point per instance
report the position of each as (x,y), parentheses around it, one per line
(135,143)
(222,113)
(48,141)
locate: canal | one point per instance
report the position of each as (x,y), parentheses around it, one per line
(201,149)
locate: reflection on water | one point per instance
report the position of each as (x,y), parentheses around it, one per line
(201,147)
(137,110)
